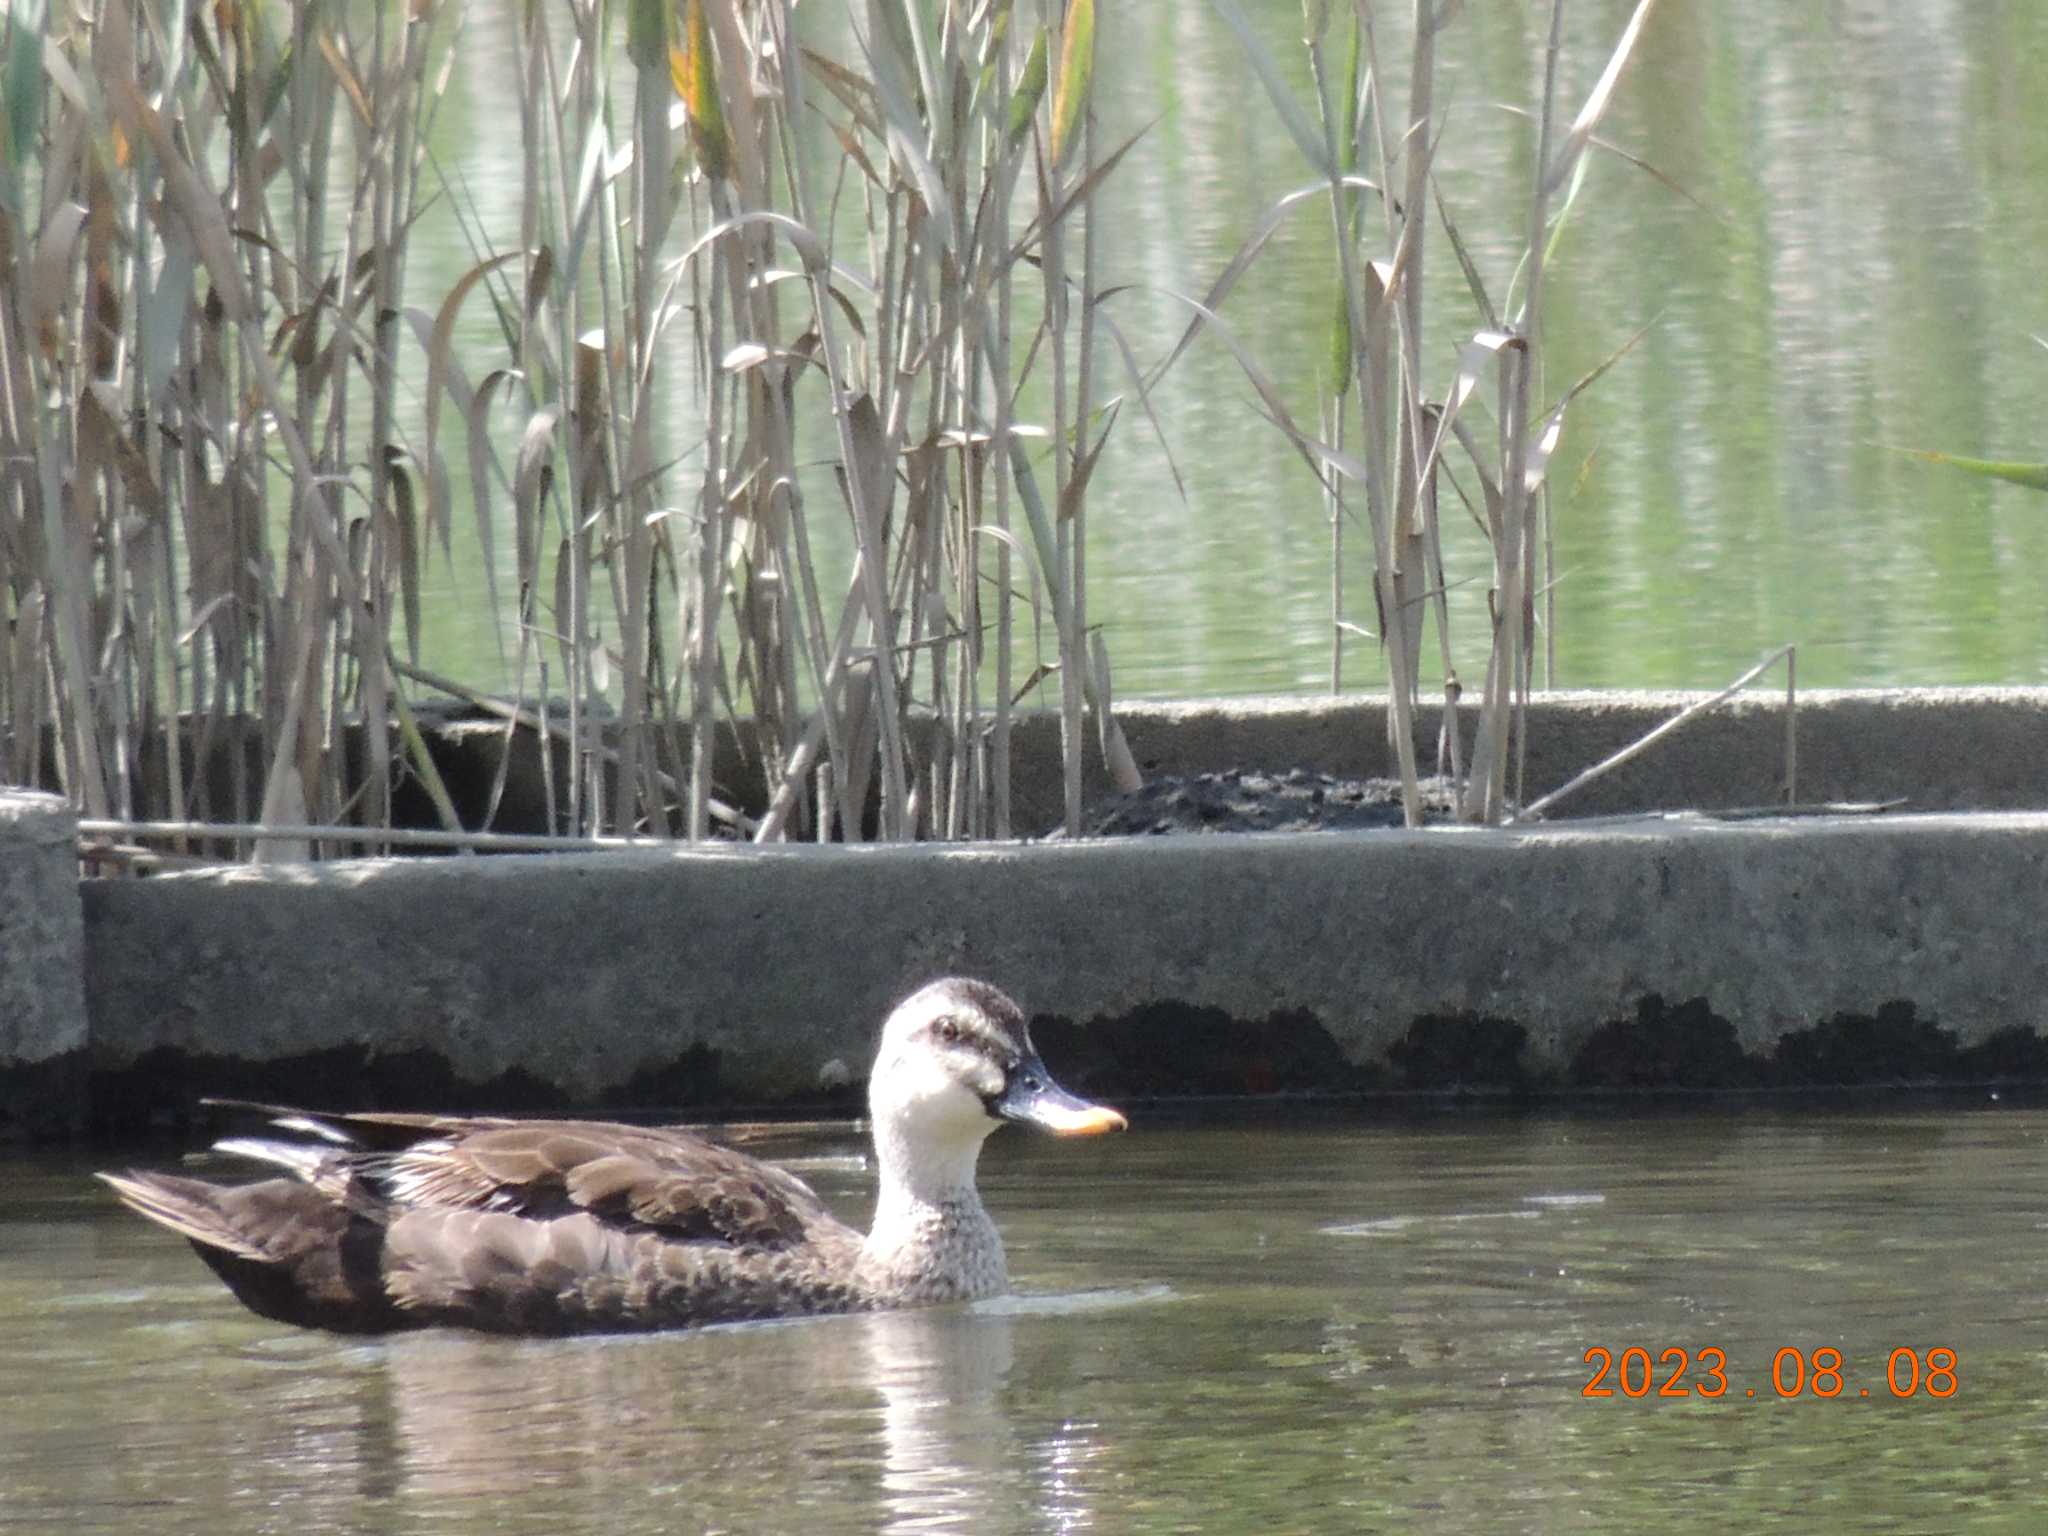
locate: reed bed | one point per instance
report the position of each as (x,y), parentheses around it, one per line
(216,496)
(231,424)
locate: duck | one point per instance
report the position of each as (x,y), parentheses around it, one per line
(383,1222)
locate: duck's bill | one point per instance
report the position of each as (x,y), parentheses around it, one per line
(1033,1098)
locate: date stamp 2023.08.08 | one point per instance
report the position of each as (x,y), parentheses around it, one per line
(1640,1372)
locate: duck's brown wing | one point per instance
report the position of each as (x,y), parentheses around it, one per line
(567,1226)
(664,1181)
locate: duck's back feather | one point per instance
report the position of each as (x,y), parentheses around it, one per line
(667,1180)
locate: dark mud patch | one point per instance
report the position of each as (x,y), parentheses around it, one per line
(1249,800)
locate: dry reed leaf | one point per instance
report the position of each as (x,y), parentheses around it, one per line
(855,92)
(49,274)
(1544,443)
(873,464)
(100,413)
(1116,752)
(345,77)
(1474,283)
(483,468)
(1240,262)
(904,130)
(1476,358)
(1315,452)
(571,626)
(1075,490)
(1601,97)
(1037,675)
(532,480)
(203,617)
(1144,393)
(407,517)
(1076,76)
(539,277)
(856,152)
(188,194)
(808,246)
(1081,192)
(1489,486)
(439,349)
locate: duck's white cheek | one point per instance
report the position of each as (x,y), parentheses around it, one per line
(919,1089)
(952,1102)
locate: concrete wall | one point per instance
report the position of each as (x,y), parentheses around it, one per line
(1694,953)
(722,975)
(42,1007)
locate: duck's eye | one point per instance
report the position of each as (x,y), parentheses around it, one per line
(948,1030)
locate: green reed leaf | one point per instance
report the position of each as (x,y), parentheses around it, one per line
(1030,91)
(2033,476)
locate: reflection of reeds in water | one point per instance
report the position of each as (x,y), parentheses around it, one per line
(218,490)
(217,495)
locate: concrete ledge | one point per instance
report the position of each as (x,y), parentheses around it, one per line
(42,1008)
(1452,957)
(1939,749)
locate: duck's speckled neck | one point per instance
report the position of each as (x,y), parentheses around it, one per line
(932,1240)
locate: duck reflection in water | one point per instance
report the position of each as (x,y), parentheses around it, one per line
(897,1421)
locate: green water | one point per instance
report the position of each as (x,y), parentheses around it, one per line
(1358,1326)
(1855,266)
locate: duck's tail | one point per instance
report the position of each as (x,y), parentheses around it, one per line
(284,1248)
(191,1208)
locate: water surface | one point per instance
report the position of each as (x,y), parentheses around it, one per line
(1355,1326)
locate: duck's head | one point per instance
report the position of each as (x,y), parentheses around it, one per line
(956,1060)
